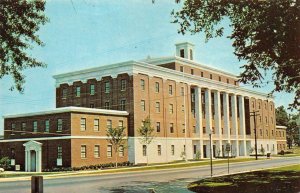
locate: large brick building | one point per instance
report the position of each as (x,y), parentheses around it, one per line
(185,100)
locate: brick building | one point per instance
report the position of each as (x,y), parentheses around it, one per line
(281,138)
(185,100)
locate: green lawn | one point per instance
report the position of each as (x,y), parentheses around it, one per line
(278,180)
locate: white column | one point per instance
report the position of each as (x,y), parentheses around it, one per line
(26,160)
(242,124)
(29,161)
(226,115)
(217,102)
(234,121)
(208,117)
(38,161)
(198,109)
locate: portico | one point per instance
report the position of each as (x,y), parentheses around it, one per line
(33,156)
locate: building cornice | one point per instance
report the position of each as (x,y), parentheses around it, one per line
(72,110)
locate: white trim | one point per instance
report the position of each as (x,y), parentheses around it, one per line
(55,138)
(70,109)
(280,127)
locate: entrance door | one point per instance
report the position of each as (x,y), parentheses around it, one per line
(33,161)
(204,151)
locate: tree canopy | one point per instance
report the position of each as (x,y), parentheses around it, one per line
(19,22)
(265,33)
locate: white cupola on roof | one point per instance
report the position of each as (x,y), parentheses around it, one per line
(185,50)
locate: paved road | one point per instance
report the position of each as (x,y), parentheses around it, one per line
(174,180)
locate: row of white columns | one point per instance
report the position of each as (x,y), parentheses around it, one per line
(239,140)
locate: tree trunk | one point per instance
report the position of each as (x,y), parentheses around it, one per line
(116,159)
(147,153)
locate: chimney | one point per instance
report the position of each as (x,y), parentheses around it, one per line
(185,50)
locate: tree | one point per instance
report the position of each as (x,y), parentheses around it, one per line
(146,133)
(281,116)
(265,33)
(19,22)
(116,137)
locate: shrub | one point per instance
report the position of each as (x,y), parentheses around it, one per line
(5,163)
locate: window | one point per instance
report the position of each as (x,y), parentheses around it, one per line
(267,133)
(78,91)
(59,152)
(210,76)
(143,106)
(253,104)
(92,89)
(220,78)
(144,150)
(157,107)
(122,105)
(123,84)
(194,129)
(213,130)
(106,87)
(142,84)
(260,132)
(121,123)
(182,91)
(222,130)
(109,151)
(13,126)
(121,151)
(47,125)
(195,149)
(266,119)
(23,127)
(109,123)
(172,149)
(97,151)
(170,90)
(106,105)
(191,54)
(260,119)
(35,126)
(159,150)
(156,87)
(258,105)
(271,120)
(82,124)
(202,74)
(272,132)
(271,107)
(183,128)
(227,80)
(59,124)
(192,71)
(171,110)
(182,53)
(83,151)
(204,129)
(64,93)
(265,106)
(171,127)
(158,127)
(96,124)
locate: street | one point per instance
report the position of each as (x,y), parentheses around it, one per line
(171,180)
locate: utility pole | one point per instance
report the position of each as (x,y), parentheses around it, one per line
(254,114)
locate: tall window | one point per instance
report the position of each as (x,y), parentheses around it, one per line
(13,126)
(191,54)
(109,151)
(157,107)
(183,128)
(83,151)
(182,91)
(182,53)
(82,124)
(121,151)
(96,124)
(157,87)
(106,105)
(159,150)
(108,123)
(157,127)
(170,90)
(122,105)
(171,127)
(144,150)
(194,129)
(23,126)
(171,110)
(173,149)
(59,124)
(123,84)
(192,71)
(210,76)
(35,126)
(78,91)
(64,93)
(107,87)
(92,89)
(220,78)
(143,106)
(204,130)
(47,126)
(97,151)
(227,80)
(121,123)
(142,84)
(59,152)
(202,74)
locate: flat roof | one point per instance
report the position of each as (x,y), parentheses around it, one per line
(69,109)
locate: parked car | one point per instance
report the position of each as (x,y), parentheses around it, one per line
(1,170)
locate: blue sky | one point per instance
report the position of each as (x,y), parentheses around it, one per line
(91,33)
